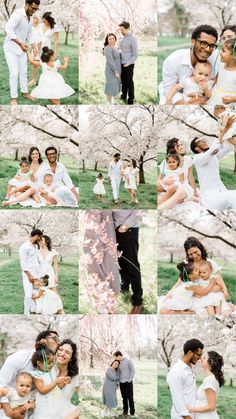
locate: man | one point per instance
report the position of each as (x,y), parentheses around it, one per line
(21,361)
(126,376)
(129,54)
(66,193)
(114,174)
(29,266)
(182,382)
(214,195)
(18,30)
(179,65)
(127,235)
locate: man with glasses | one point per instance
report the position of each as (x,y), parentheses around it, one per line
(18,31)
(66,193)
(180,64)
(213,193)
(182,381)
(21,361)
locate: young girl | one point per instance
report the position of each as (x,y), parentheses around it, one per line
(46,383)
(195,86)
(222,113)
(36,40)
(51,85)
(24,179)
(22,395)
(99,188)
(224,91)
(212,301)
(46,300)
(48,188)
(172,177)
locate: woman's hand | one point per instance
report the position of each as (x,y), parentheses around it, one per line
(228,99)
(117,75)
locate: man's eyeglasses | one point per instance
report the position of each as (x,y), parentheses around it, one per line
(55,338)
(198,355)
(51,154)
(205,45)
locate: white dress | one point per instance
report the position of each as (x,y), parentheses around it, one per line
(99,188)
(50,301)
(51,84)
(65,407)
(211,299)
(15,401)
(209,382)
(46,267)
(47,36)
(165,171)
(47,404)
(130,182)
(191,87)
(25,179)
(225,85)
(182,297)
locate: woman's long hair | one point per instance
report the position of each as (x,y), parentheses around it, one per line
(48,17)
(32,149)
(48,242)
(216,363)
(194,242)
(106,38)
(73,364)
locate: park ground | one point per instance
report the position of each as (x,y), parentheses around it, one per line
(168,275)
(9,167)
(226,169)
(225,404)
(145,389)
(70,75)
(11,288)
(146,193)
(91,89)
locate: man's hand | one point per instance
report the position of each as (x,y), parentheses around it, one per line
(125,65)
(18,413)
(123,228)
(24,47)
(228,99)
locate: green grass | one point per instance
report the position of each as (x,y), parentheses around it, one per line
(225,404)
(146,193)
(91,88)
(227,175)
(168,275)
(145,388)
(11,288)
(70,75)
(9,167)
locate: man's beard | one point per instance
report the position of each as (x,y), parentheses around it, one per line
(197,58)
(205,149)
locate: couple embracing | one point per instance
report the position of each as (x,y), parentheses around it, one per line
(187,401)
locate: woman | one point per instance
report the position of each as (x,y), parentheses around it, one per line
(101,262)
(208,392)
(109,389)
(67,364)
(48,261)
(36,163)
(196,252)
(173,196)
(113,68)
(47,32)
(132,180)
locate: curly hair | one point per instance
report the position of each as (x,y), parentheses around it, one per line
(185,270)
(216,363)
(194,242)
(41,351)
(73,363)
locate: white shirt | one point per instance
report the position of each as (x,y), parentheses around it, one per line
(115,169)
(14,364)
(29,260)
(60,177)
(207,166)
(177,67)
(17,27)
(182,383)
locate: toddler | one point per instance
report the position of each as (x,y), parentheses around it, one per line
(48,188)
(99,188)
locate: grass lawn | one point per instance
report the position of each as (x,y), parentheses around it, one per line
(91,89)
(163,53)
(146,192)
(70,75)
(11,289)
(227,175)
(168,275)
(226,408)
(9,167)
(145,389)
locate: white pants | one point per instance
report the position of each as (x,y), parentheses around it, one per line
(17,65)
(28,290)
(115,184)
(219,200)
(65,197)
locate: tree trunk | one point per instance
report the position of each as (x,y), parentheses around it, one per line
(171,257)
(16,154)
(141,171)
(67,31)
(231,382)
(234,162)
(96,166)
(83,165)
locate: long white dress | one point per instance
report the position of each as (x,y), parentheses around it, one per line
(47,404)
(46,267)
(47,36)
(131,182)
(65,407)
(209,382)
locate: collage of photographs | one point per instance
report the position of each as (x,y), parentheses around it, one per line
(118,209)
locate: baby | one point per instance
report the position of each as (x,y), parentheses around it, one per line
(222,113)
(195,86)
(22,395)
(48,189)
